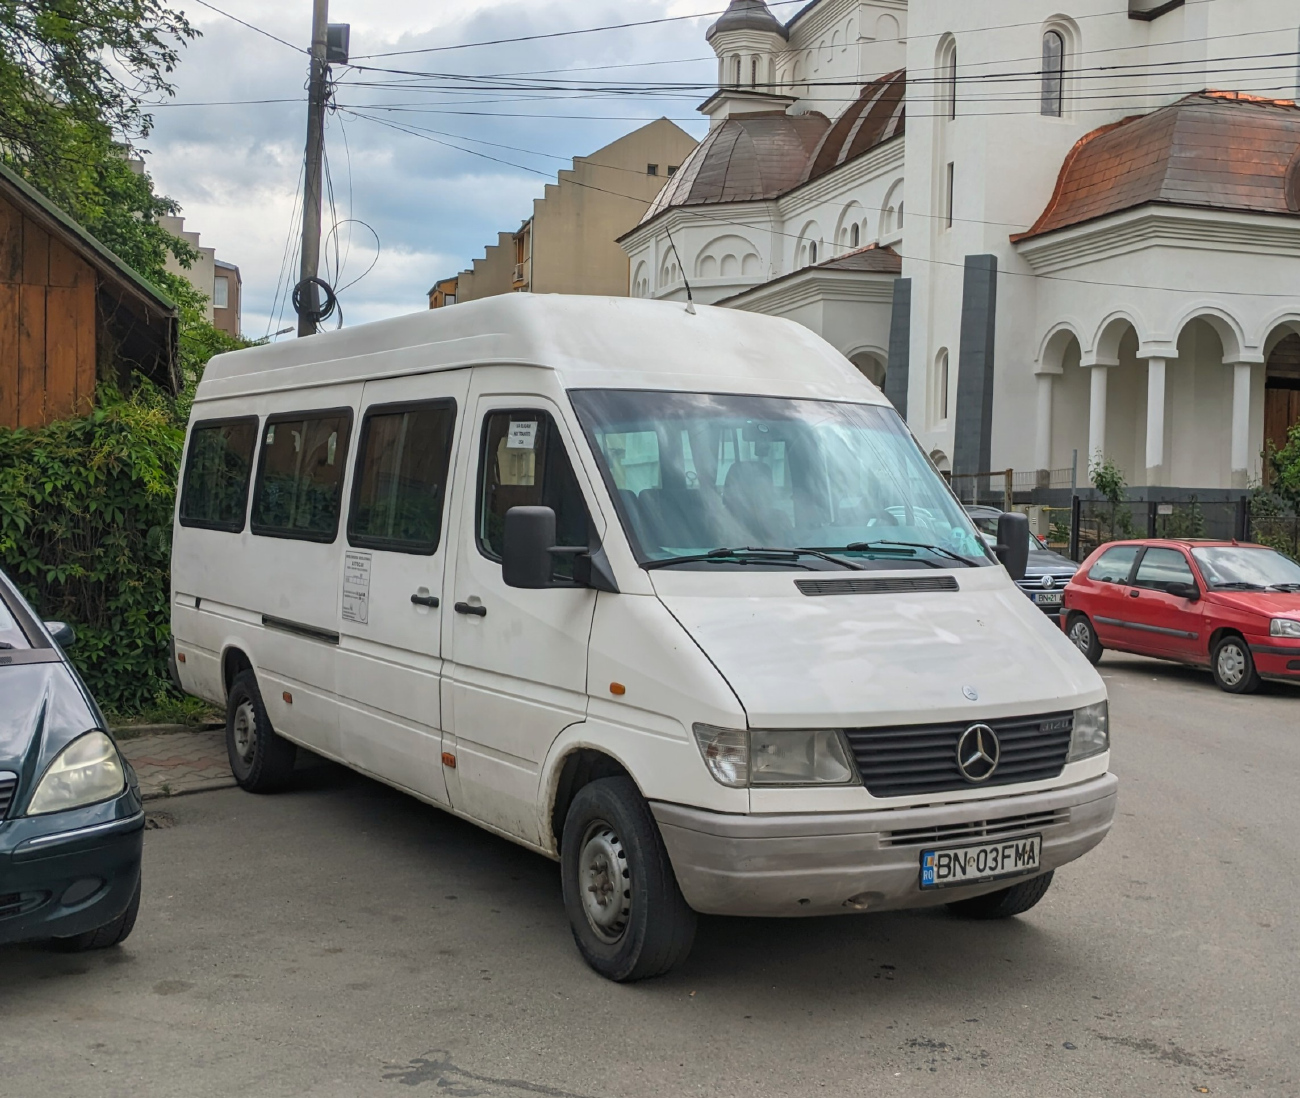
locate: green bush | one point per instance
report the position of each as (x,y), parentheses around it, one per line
(85,531)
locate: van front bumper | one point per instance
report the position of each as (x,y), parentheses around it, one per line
(835,863)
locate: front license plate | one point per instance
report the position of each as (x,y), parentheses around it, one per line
(1048,598)
(955,865)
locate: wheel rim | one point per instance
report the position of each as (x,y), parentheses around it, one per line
(605,882)
(245,732)
(1232,664)
(1081,635)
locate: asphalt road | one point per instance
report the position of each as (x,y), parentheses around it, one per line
(345,940)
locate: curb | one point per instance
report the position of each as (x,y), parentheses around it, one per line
(198,787)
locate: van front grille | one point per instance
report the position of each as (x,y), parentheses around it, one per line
(903,761)
(975,829)
(8,786)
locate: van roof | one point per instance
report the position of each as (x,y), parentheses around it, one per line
(589,342)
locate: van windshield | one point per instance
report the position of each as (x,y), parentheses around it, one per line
(693,474)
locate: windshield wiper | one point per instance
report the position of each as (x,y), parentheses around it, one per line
(1289,588)
(5,645)
(1239,585)
(756,553)
(864,546)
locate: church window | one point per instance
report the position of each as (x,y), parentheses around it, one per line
(812,252)
(1053,76)
(735,69)
(948,197)
(753,72)
(948,69)
(854,235)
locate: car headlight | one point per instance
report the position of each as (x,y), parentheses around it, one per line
(85,772)
(1091,734)
(738,758)
(1284,627)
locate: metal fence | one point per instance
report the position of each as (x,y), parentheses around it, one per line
(1000,488)
(1095,522)
(1280,532)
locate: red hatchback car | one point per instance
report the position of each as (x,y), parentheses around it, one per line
(1229,606)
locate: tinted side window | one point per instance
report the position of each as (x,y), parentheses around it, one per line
(523,464)
(1114,564)
(401,478)
(300,475)
(217,471)
(1161,567)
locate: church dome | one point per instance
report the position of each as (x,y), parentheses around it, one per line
(746,158)
(876,116)
(747,15)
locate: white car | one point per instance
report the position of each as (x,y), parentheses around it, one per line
(671,596)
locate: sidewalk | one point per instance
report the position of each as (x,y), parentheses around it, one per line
(180,761)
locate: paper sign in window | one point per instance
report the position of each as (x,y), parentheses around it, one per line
(522,436)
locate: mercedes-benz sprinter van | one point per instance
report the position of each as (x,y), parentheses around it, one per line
(669,595)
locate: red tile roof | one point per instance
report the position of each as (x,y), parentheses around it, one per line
(1213,150)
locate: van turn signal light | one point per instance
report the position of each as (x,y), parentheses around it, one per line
(180,657)
(617,689)
(449,760)
(288,698)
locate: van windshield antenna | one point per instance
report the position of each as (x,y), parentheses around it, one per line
(690,298)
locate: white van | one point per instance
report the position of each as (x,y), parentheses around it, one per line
(669,595)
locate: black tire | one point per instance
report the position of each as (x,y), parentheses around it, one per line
(1234,666)
(1084,637)
(261,761)
(110,934)
(1006,902)
(651,929)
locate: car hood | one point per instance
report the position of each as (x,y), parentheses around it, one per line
(1045,562)
(1267,604)
(43,710)
(867,659)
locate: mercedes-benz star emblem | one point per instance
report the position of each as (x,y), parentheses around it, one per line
(971,693)
(1048,582)
(978,752)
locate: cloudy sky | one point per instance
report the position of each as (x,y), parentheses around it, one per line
(235,166)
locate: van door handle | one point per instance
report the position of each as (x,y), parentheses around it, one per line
(425,600)
(476,611)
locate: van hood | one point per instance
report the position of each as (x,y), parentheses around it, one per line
(860,660)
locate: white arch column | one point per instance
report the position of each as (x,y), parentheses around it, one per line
(1099,374)
(1241,372)
(1155,459)
(1043,434)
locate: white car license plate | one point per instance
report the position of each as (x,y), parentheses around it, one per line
(1048,598)
(954,865)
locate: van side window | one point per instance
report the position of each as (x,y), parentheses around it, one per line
(217,471)
(523,464)
(401,478)
(300,475)
(1161,567)
(1114,565)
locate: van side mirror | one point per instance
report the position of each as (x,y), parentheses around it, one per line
(1012,548)
(528,554)
(64,635)
(1183,591)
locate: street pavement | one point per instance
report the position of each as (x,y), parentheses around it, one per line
(344,940)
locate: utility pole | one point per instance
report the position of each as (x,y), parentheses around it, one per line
(311,206)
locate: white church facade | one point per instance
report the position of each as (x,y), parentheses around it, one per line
(1046,232)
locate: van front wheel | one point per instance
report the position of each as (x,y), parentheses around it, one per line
(628,916)
(1006,902)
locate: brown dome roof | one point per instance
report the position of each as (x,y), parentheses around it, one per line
(1216,150)
(747,15)
(872,119)
(748,157)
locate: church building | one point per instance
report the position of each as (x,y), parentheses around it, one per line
(1044,232)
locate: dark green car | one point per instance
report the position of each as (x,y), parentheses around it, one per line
(71,821)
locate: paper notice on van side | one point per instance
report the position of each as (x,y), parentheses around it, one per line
(356,587)
(522,436)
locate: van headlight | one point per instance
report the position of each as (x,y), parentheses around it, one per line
(1284,627)
(1091,734)
(739,758)
(85,772)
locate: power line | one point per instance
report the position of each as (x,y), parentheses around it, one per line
(259,30)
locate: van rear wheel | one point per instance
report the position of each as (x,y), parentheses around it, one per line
(1006,902)
(261,761)
(628,916)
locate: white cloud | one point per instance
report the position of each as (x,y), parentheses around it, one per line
(235,169)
